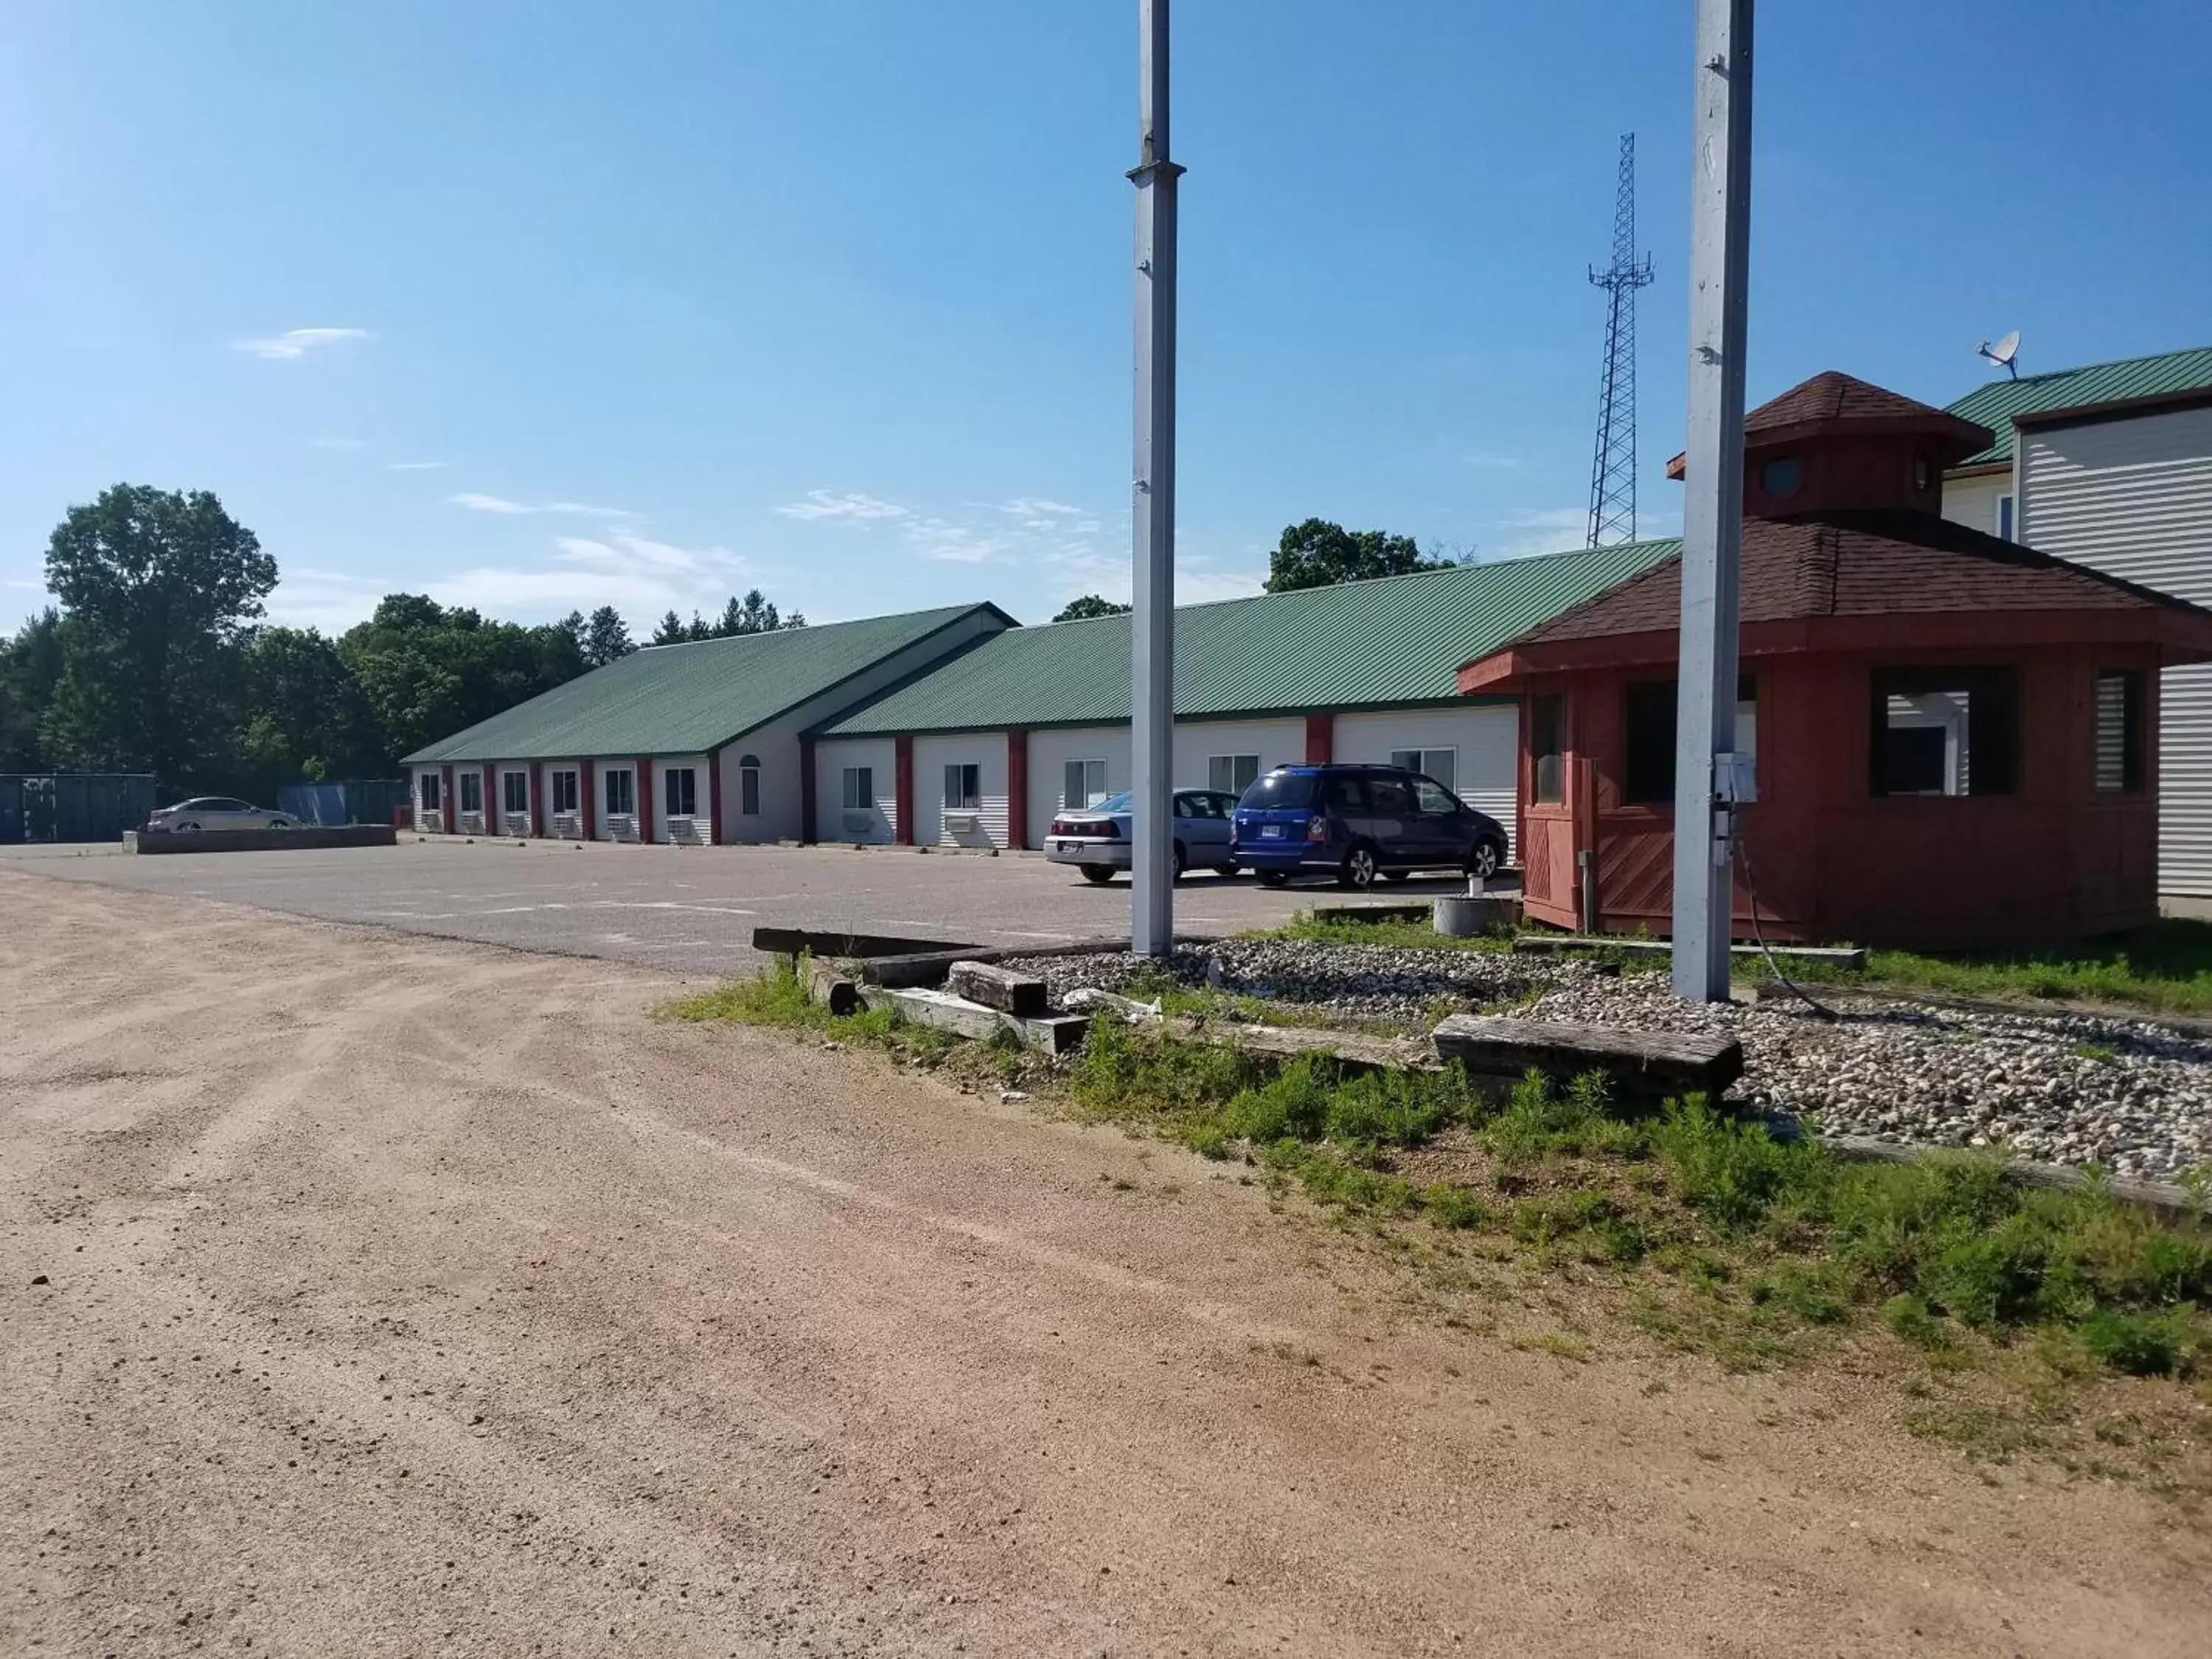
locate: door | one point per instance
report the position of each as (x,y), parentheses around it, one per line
(1445,833)
(1394,823)
(1200,827)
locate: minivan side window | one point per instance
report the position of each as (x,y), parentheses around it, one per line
(1346,795)
(1390,796)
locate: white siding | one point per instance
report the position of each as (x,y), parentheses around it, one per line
(1050,752)
(1277,743)
(984,751)
(1973,501)
(2134,497)
(878,822)
(1485,737)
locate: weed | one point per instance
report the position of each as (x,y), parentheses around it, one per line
(1912,1321)
(2143,1344)
(2102,1053)
(1450,1206)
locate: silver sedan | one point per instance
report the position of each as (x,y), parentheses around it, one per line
(216,812)
(1096,840)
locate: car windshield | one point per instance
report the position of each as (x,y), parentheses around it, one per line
(1279,791)
(1112,804)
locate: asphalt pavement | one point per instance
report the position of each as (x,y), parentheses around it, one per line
(686,909)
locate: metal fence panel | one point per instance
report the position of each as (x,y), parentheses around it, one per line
(70,807)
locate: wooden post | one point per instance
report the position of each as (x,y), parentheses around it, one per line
(1017,789)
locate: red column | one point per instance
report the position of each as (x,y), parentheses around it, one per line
(903,801)
(1321,739)
(1017,789)
(587,797)
(537,798)
(714,797)
(808,828)
(449,815)
(644,800)
(491,813)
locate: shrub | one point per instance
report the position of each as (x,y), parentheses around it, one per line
(1913,1320)
(1734,1173)
(2143,1344)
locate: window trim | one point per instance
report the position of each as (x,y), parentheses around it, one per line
(1086,762)
(1993,738)
(432,790)
(1423,756)
(471,776)
(507,793)
(867,792)
(2003,516)
(628,776)
(1550,745)
(749,787)
(672,794)
(971,799)
(2135,747)
(574,778)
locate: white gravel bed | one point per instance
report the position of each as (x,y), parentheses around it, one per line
(2129,1094)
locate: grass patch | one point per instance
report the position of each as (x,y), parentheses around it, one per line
(1395,934)
(2166,967)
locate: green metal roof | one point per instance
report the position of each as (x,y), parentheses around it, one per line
(1391,641)
(686,699)
(1996,404)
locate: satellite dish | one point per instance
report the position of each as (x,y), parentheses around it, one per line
(2003,353)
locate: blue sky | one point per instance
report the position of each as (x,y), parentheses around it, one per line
(646,304)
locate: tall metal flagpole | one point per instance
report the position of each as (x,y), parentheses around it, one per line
(1712,512)
(1152,666)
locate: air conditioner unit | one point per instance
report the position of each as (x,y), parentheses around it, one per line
(516,824)
(569,826)
(473,824)
(622,826)
(687,832)
(858,824)
(432,820)
(962,821)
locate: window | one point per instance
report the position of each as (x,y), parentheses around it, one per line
(859,792)
(565,794)
(2004,517)
(1389,797)
(430,781)
(472,792)
(1433,798)
(749,786)
(1280,791)
(1781,476)
(1548,734)
(516,788)
(1945,732)
(1233,774)
(1084,784)
(622,792)
(1196,804)
(1345,794)
(1647,767)
(679,792)
(963,785)
(2120,732)
(1441,764)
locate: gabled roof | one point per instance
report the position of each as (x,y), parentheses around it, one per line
(2131,379)
(687,699)
(1391,641)
(1832,402)
(1877,562)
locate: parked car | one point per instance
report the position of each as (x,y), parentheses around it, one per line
(1357,823)
(1096,840)
(216,812)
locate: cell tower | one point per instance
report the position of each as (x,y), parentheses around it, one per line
(1612,473)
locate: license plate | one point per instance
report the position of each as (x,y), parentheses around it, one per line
(1271,832)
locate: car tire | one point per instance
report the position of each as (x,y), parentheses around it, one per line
(1096,874)
(188,826)
(278,823)
(1485,860)
(1359,869)
(1275,878)
(1178,860)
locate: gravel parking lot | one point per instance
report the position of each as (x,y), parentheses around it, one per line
(690,910)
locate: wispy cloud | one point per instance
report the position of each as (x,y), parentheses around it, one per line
(337,443)
(1490,458)
(414,466)
(640,575)
(849,505)
(331,600)
(1034,506)
(297,343)
(477,502)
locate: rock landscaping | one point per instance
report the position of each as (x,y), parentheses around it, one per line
(2132,1095)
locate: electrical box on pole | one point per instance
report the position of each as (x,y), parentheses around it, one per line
(1709,782)
(1151,658)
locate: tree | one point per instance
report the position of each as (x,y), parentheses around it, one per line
(305,713)
(1087,607)
(1319,554)
(671,630)
(754,614)
(424,671)
(157,590)
(30,669)
(607,637)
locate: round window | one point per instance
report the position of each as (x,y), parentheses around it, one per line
(1780,477)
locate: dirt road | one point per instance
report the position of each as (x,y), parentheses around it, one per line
(407,1297)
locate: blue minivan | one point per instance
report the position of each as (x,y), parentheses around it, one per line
(1357,823)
